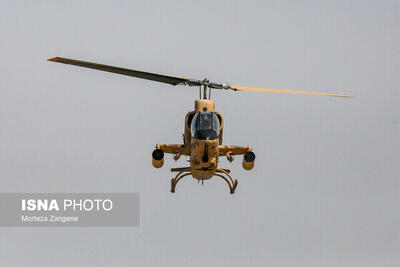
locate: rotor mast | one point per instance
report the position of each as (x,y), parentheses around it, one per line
(205,88)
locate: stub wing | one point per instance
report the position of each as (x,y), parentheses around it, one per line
(174,149)
(233,150)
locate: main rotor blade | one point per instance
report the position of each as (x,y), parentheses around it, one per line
(243,88)
(128,72)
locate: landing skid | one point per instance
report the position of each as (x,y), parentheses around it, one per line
(223,173)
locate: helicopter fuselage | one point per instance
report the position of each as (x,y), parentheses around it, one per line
(202,142)
(204,150)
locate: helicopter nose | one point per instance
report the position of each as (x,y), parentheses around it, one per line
(205,154)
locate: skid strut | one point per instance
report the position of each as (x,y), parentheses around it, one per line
(177,178)
(232,183)
(223,173)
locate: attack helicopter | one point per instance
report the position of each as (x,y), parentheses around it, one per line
(203,130)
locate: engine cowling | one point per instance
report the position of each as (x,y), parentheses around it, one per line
(157,158)
(248,160)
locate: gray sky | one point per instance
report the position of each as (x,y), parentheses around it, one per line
(325,188)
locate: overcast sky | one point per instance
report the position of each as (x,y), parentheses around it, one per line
(325,187)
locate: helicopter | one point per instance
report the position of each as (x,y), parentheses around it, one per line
(203,130)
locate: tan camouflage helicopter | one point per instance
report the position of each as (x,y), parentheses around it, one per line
(202,138)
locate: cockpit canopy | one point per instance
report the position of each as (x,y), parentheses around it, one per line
(205,126)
